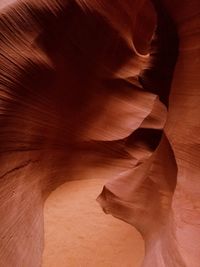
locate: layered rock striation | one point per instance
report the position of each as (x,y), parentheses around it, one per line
(106,87)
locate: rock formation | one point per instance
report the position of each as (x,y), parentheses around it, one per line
(107,86)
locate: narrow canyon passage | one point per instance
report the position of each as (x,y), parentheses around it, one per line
(107,90)
(98,241)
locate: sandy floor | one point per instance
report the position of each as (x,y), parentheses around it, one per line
(79,234)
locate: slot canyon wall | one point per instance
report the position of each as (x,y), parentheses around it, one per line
(104,87)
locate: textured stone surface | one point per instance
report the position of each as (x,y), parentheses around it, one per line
(77,232)
(103,87)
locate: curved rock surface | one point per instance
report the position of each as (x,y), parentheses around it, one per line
(106,87)
(77,232)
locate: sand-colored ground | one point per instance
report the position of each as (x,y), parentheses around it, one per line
(79,234)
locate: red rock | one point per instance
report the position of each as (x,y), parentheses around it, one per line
(95,85)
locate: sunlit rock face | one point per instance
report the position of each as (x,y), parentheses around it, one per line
(77,232)
(104,87)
